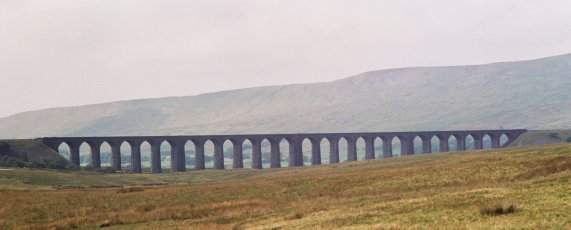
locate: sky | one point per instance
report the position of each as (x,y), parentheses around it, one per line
(75,52)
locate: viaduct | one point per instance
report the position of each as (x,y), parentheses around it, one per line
(177,143)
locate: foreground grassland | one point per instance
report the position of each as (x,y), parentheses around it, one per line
(422,192)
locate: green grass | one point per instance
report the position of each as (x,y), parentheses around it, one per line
(446,190)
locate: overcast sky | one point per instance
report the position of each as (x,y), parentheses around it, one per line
(75,52)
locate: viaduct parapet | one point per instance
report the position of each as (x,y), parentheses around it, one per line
(177,143)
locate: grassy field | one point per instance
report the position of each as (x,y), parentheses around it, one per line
(448,190)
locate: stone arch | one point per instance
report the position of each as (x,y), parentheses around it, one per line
(286,155)
(361,147)
(343,149)
(64,149)
(325,150)
(209,146)
(189,154)
(452,143)
(266,148)
(105,150)
(417,144)
(84,154)
(247,153)
(435,144)
(306,153)
(504,139)
(145,155)
(165,150)
(487,141)
(125,147)
(396,144)
(227,153)
(470,142)
(378,147)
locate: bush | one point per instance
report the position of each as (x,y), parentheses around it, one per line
(568,139)
(497,209)
(555,136)
(130,189)
(105,170)
(11,162)
(86,168)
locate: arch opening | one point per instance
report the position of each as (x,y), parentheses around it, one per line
(487,141)
(145,156)
(165,155)
(105,150)
(417,143)
(452,144)
(504,139)
(189,155)
(325,149)
(247,153)
(64,150)
(284,153)
(208,154)
(125,155)
(307,151)
(378,147)
(343,150)
(396,146)
(435,144)
(228,154)
(266,153)
(85,154)
(361,148)
(470,142)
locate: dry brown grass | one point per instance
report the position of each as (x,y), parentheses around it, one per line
(417,192)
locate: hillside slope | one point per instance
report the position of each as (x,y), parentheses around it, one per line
(443,191)
(526,94)
(31,154)
(542,137)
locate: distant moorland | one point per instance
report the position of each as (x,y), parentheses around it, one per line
(525,94)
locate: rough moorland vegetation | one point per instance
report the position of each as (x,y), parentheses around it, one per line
(519,188)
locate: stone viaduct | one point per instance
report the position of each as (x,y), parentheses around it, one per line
(177,143)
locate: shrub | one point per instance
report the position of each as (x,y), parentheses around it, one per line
(568,139)
(86,168)
(497,209)
(130,189)
(11,162)
(105,170)
(555,136)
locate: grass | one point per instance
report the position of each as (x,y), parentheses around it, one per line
(446,190)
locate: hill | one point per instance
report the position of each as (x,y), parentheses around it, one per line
(542,137)
(31,154)
(525,94)
(516,188)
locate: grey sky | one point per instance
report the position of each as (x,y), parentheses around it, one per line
(75,52)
